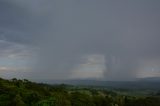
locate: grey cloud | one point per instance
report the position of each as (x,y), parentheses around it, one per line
(65,31)
(15,50)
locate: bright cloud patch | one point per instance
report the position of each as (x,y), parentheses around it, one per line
(149,68)
(92,66)
(15,59)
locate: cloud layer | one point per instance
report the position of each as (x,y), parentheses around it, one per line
(124,33)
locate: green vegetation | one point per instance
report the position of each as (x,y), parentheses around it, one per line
(25,93)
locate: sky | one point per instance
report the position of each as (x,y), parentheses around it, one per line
(79,39)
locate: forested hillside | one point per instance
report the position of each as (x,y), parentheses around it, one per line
(25,93)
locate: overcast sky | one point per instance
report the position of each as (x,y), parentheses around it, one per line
(80,39)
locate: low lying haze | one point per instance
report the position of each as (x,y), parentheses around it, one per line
(80,39)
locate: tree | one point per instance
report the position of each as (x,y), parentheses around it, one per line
(81,99)
(18,101)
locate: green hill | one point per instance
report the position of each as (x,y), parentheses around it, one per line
(26,93)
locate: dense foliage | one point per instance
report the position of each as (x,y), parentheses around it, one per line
(25,93)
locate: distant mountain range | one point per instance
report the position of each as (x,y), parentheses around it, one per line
(150,79)
(140,83)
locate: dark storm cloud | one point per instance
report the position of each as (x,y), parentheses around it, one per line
(20,21)
(16,37)
(12,22)
(65,31)
(17,29)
